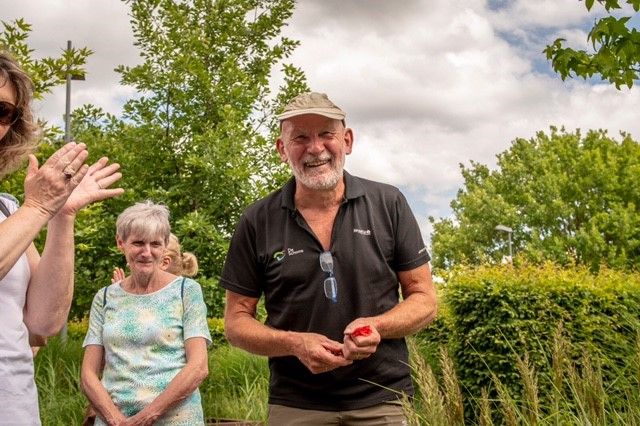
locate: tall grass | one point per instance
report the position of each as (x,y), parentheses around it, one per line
(578,394)
(237,388)
(57,370)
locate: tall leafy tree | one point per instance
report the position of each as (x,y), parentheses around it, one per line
(199,137)
(616,47)
(46,73)
(569,198)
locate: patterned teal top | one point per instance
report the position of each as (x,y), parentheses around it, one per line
(143,338)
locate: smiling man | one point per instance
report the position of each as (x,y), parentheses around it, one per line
(331,253)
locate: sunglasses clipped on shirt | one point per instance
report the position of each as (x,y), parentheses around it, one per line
(9,113)
(330,283)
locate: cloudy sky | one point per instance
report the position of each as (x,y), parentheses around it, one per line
(427,84)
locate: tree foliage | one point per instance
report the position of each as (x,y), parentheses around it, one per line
(616,46)
(569,199)
(198,136)
(48,72)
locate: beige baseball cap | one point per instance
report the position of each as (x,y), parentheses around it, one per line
(312,103)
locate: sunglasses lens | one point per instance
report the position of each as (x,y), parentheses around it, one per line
(331,289)
(8,113)
(326,261)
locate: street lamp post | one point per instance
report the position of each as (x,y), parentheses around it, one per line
(67,107)
(67,138)
(509,231)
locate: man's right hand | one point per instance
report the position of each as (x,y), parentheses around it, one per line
(319,353)
(48,187)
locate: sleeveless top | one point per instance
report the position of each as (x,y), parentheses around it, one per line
(18,394)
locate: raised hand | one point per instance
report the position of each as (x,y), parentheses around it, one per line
(94,186)
(48,187)
(118,275)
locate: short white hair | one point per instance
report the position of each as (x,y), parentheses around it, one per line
(147,219)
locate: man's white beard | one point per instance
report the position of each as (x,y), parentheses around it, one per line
(323,181)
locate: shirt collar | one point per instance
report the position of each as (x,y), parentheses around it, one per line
(353,189)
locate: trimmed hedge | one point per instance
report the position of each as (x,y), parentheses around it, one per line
(491,314)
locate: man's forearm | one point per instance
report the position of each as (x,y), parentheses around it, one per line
(407,317)
(251,335)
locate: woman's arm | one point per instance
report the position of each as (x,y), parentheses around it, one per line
(46,189)
(51,284)
(92,366)
(182,385)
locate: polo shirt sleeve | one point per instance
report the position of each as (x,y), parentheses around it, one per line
(410,250)
(240,273)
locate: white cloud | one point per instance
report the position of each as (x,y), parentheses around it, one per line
(542,13)
(102,26)
(427,84)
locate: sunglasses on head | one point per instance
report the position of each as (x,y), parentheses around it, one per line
(9,113)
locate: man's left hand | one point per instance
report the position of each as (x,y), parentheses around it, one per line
(361,339)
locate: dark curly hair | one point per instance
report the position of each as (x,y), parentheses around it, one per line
(22,137)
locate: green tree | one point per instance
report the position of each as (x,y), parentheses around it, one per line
(616,45)
(48,72)
(199,137)
(568,198)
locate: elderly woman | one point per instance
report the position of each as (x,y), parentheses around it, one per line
(35,292)
(174,261)
(151,331)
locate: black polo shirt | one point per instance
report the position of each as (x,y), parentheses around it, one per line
(275,253)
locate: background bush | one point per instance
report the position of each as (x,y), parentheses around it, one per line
(493,313)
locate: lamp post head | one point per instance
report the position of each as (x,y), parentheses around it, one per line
(503,228)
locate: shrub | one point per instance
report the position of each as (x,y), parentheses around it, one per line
(77,328)
(501,311)
(216,328)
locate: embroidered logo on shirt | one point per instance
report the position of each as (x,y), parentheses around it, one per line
(278,256)
(422,250)
(362,231)
(292,252)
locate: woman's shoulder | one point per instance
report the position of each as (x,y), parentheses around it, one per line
(189,282)
(102,294)
(190,286)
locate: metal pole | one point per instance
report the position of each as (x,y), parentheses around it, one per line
(67,108)
(510,249)
(67,138)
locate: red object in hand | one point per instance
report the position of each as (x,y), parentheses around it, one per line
(361,331)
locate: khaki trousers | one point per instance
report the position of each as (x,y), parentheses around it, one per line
(386,414)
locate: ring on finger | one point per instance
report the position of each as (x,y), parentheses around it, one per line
(68,173)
